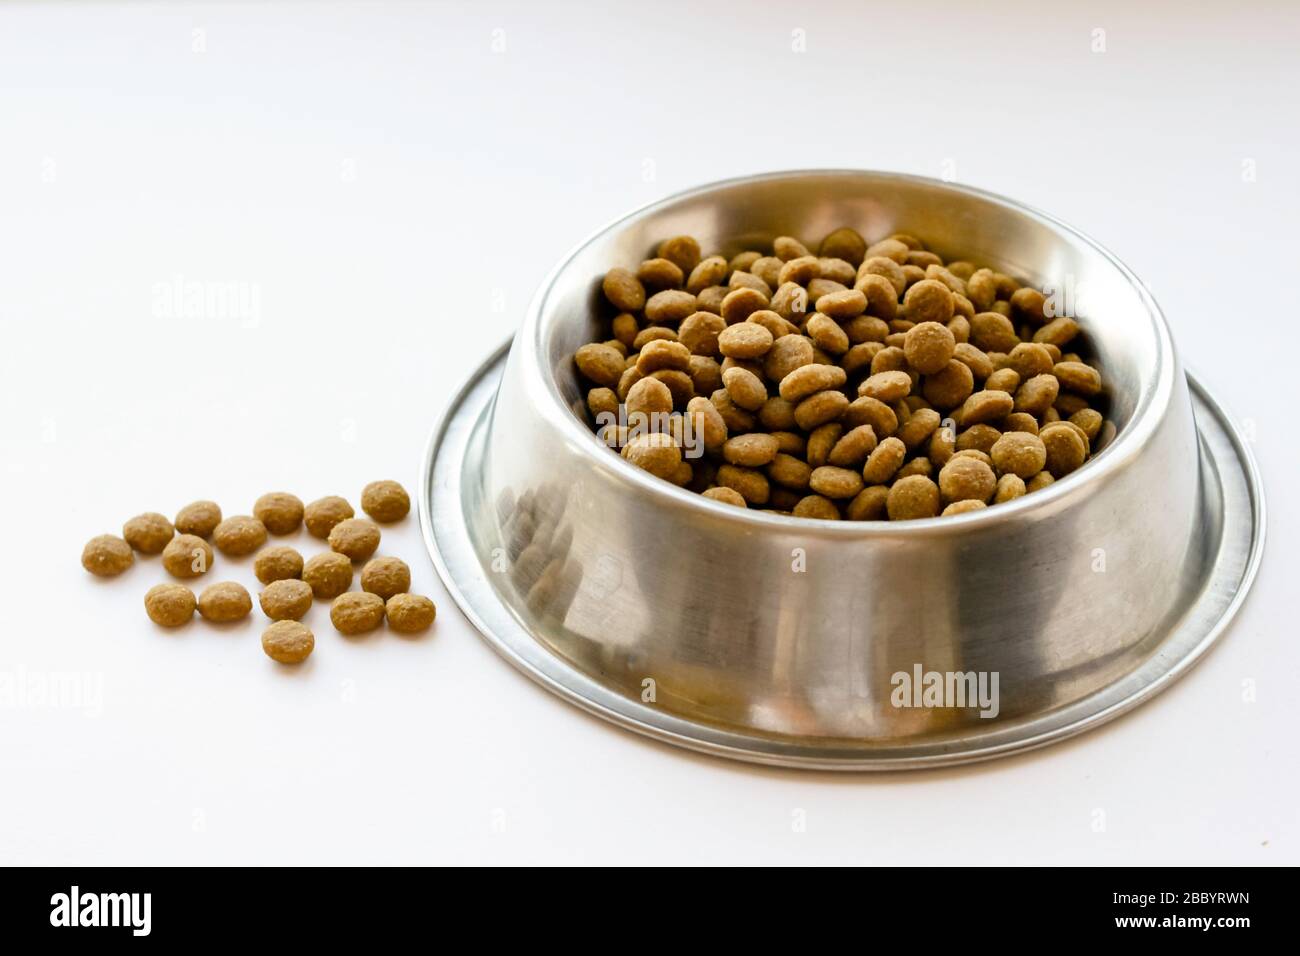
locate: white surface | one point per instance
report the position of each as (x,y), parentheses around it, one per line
(393,190)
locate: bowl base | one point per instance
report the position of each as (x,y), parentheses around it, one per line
(1232,483)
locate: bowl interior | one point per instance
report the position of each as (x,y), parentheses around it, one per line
(1121,333)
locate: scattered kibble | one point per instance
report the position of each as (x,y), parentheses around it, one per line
(187,556)
(277,563)
(871,381)
(357,612)
(198,518)
(286,600)
(409,613)
(148,533)
(291,585)
(386,576)
(288,642)
(239,535)
(279,511)
(170,605)
(355,537)
(106,556)
(328,574)
(224,602)
(385,501)
(324,513)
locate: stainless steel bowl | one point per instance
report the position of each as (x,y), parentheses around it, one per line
(782,639)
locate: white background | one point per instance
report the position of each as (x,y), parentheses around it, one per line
(392,190)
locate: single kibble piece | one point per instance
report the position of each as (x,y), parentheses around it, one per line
(1019,453)
(170,605)
(964,478)
(148,533)
(655,452)
(286,600)
(288,642)
(324,513)
(239,535)
(277,564)
(913,497)
(409,613)
(279,511)
(385,501)
(328,575)
(355,537)
(357,612)
(385,577)
(106,556)
(187,556)
(727,496)
(198,518)
(224,602)
(929,347)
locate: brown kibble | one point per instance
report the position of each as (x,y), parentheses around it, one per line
(288,642)
(753,450)
(816,506)
(757,355)
(1058,332)
(727,496)
(884,461)
(1010,487)
(745,340)
(186,556)
(1066,450)
(964,478)
(328,574)
(886,386)
(929,347)
(148,533)
(386,576)
(357,612)
(654,452)
(224,602)
(992,332)
(751,485)
(1019,453)
(649,396)
(911,498)
(355,537)
(844,243)
(385,501)
(323,514)
(198,518)
(928,301)
(1037,394)
(869,505)
(279,511)
(745,388)
(277,564)
(286,600)
(1078,378)
(602,364)
(988,405)
(820,408)
(624,290)
(681,251)
(170,605)
(239,535)
(409,613)
(699,333)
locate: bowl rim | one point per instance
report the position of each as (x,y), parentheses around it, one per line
(1148,413)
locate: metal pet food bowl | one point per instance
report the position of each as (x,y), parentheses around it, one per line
(780,640)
